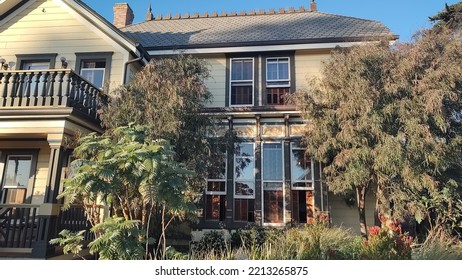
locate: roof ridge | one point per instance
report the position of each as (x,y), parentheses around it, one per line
(252,12)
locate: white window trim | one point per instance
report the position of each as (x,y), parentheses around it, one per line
(294,146)
(278,80)
(93,69)
(236,196)
(263,181)
(231,81)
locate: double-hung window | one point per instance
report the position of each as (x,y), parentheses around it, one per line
(242,81)
(277,80)
(215,193)
(244,182)
(93,71)
(18,175)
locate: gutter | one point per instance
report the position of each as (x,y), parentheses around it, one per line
(126,66)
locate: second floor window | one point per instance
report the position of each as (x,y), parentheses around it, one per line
(93,71)
(277,80)
(242,81)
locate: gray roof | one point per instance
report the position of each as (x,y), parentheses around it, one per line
(262,28)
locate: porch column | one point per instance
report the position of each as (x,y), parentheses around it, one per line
(50,209)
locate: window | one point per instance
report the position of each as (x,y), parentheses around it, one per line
(244,174)
(242,81)
(244,182)
(215,193)
(302,198)
(301,169)
(94,67)
(277,80)
(273,185)
(93,71)
(18,176)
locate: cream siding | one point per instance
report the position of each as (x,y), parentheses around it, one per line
(307,65)
(348,217)
(45,27)
(41,172)
(217,81)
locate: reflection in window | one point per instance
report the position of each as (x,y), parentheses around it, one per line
(18,170)
(215,198)
(273,198)
(277,80)
(93,71)
(242,81)
(244,175)
(301,168)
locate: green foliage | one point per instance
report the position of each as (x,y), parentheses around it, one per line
(441,248)
(118,239)
(390,117)
(70,241)
(450,17)
(168,97)
(211,243)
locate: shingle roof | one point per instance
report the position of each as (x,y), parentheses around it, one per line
(259,28)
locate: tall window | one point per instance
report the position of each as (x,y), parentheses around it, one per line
(94,71)
(302,198)
(244,182)
(242,81)
(273,197)
(277,80)
(215,193)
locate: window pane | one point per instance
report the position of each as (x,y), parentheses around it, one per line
(94,76)
(217,186)
(272,161)
(245,169)
(18,171)
(236,70)
(244,149)
(272,71)
(273,207)
(301,166)
(215,207)
(283,70)
(247,73)
(245,188)
(241,94)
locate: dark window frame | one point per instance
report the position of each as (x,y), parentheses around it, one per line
(83,56)
(21,59)
(286,89)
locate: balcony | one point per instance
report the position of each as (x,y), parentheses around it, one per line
(51,88)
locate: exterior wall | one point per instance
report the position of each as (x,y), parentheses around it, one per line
(45,27)
(41,171)
(307,65)
(343,215)
(217,81)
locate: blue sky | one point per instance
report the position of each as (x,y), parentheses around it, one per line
(403,17)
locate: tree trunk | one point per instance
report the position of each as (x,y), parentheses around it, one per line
(361,203)
(378,206)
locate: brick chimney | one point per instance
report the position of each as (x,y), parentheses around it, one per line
(123,15)
(313,7)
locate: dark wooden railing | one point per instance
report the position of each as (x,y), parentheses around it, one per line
(18,226)
(75,219)
(49,88)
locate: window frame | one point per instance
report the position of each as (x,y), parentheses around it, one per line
(231,81)
(106,56)
(207,192)
(263,181)
(235,179)
(288,80)
(4,155)
(296,146)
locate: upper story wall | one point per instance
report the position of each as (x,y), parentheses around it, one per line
(51,27)
(272,75)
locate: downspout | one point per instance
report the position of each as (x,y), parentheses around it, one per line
(126,67)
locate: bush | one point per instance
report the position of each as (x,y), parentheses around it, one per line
(211,243)
(439,248)
(387,242)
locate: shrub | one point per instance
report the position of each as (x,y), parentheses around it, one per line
(438,248)
(211,243)
(387,242)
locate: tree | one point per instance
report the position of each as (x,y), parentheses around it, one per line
(133,175)
(390,117)
(168,97)
(450,17)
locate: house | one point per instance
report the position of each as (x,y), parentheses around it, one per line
(56,58)
(257,59)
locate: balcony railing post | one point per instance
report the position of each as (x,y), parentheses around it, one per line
(5,80)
